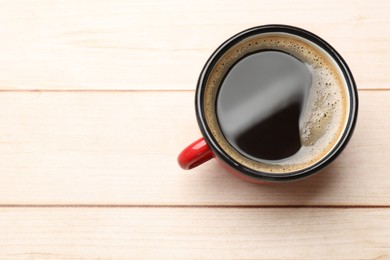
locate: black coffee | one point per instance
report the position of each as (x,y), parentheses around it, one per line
(275,103)
(260,103)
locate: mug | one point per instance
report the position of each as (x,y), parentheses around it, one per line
(208,147)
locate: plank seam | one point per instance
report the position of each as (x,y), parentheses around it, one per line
(127,90)
(190,206)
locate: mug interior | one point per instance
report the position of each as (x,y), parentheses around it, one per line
(206,99)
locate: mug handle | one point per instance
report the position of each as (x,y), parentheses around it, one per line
(195,154)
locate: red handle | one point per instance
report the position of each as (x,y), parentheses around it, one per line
(195,154)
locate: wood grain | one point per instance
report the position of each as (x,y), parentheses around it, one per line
(96,102)
(200,233)
(120,148)
(100,44)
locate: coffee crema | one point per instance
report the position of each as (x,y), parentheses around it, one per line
(276,103)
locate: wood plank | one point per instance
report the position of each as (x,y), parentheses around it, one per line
(200,233)
(116,44)
(121,148)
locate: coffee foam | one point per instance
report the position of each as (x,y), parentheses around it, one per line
(325,111)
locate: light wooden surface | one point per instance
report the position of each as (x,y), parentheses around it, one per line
(217,233)
(121,147)
(96,101)
(118,44)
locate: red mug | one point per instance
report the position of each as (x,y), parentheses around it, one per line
(208,147)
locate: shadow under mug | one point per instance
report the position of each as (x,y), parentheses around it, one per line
(207,147)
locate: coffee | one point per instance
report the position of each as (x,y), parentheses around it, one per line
(260,102)
(276,103)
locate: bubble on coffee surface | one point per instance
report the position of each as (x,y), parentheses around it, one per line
(324,115)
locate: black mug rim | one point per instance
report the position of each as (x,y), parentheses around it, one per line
(258,175)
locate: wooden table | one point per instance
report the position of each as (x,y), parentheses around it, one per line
(97,100)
